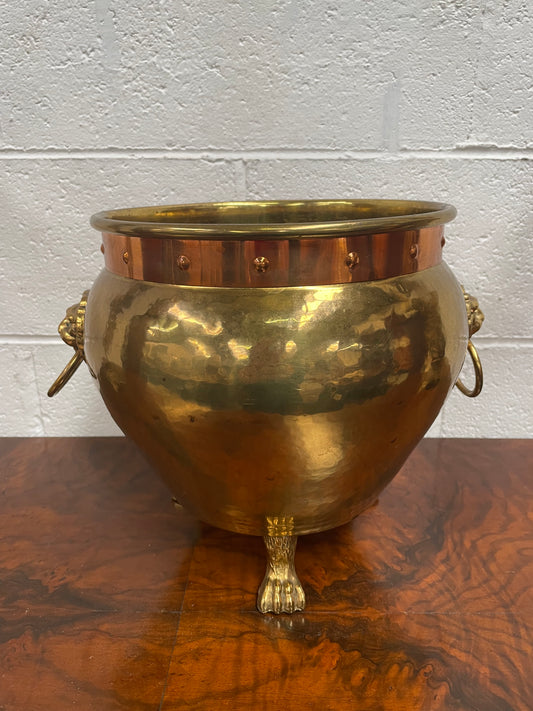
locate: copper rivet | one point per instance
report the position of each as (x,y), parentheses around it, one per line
(183,262)
(352,260)
(413,251)
(102,249)
(442,242)
(261,264)
(125,257)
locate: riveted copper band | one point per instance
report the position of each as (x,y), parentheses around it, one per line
(272,263)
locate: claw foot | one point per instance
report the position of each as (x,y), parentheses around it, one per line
(280,591)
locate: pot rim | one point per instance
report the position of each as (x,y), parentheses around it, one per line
(273,219)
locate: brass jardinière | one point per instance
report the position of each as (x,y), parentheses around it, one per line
(276,361)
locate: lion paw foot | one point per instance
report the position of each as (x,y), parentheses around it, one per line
(280,591)
(280,595)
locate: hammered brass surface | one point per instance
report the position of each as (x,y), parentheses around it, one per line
(297,402)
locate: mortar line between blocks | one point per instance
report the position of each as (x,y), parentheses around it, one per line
(240,179)
(30,339)
(214,154)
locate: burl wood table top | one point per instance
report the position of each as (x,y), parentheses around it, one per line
(111,599)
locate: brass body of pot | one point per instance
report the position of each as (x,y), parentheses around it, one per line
(278,361)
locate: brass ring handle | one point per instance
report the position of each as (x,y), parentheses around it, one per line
(478,370)
(66,374)
(71,330)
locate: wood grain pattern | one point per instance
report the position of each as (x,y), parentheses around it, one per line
(329,661)
(109,599)
(96,660)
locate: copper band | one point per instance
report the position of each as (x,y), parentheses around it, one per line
(272,263)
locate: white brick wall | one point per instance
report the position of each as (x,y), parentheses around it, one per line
(108,103)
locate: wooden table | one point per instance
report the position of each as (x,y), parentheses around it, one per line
(110,599)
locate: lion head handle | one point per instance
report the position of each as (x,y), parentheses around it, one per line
(71,330)
(474,313)
(475,319)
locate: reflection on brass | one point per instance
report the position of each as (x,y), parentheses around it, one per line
(125,257)
(283,403)
(413,251)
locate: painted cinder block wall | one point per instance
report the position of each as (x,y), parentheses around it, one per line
(110,103)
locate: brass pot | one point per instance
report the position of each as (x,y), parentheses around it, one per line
(276,361)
